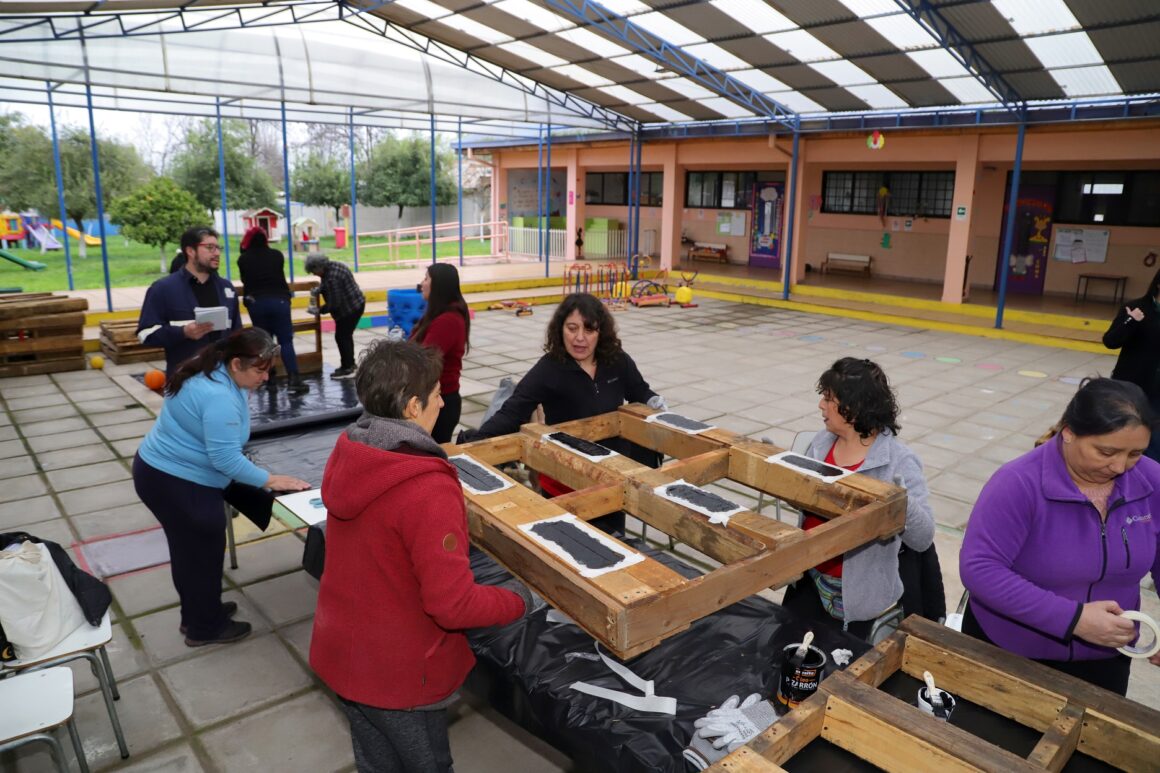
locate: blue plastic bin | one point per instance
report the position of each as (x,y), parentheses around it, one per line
(405,306)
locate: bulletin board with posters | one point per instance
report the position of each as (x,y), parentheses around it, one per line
(1081,245)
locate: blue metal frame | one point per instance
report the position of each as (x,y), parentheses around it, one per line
(636,203)
(931,19)
(60,187)
(659,50)
(459,196)
(353,235)
(93,24)
(434,242)
(548,202)
(99,195)
(787,276)
(445,53)
(631,213)
(288,225)
(1009,236)
(222,187)
(540,194)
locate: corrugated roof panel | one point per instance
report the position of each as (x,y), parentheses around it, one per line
(686,88)
(1009,55)
(802,46)
(877,96)
(843,72)
(864,8)
(977,21)
(801,77)
(887,68)
(924,93)
(810,12)
(836,99)
(797,102)
(903,31)
(1136,42)
(625,95)
(593,43)
(1068,50)
(757,79)
(967,90)
(853,38)
(665,112)
(1087,81)
(532,54)
(759,52)
(638,64)
(624,7)
(728,108)
(708,20)
(554,44)
(666,29)
(581,75)
(534,14)
(1032,17)
(449,35)
(1122,11)
(1137,77)
(716,56)
(696,110)
(509,25)
(1035,84)
(755,15)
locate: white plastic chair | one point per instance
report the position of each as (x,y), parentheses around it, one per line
(36,704)
(86,643)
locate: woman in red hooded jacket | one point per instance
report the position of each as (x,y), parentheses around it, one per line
(398,591)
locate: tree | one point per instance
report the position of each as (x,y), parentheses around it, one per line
(157,214)
(321,181)
(28,179)
(196,168)
(399,174)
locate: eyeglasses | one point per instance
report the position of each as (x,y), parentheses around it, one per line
(211,247)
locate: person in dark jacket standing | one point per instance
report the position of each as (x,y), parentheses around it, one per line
(267,298)
(1136,333)
(398,593)
(584,372)
(167,317)
(345,302)
(1060,538)
(446,326)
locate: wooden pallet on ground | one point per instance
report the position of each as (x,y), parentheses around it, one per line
(41,333)
(120,344)
(1074,717)
(632,609)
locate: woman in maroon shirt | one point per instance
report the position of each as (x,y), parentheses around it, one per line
(446,326)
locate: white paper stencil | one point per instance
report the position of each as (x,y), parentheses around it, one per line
(624,556)
(827,473)
(680,423)
(547,438)
(715,516)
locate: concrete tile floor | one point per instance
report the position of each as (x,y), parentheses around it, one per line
(969,404)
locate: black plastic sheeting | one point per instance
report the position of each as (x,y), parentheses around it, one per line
(524,673)
(276,408)
(299,445)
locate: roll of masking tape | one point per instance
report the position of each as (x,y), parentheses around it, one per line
(1139,649)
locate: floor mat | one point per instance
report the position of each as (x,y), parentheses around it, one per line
(127,553)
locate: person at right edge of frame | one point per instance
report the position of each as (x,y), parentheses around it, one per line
(1060,538)
(398,592)
(345,302)
(1136,333)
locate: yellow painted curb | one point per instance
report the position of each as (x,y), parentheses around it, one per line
(891,319)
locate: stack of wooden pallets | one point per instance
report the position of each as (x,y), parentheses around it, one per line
(41,333)
(120,344)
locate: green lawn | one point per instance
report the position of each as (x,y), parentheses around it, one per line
(135,265)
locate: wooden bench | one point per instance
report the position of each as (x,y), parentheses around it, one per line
(709,251)
(840,261)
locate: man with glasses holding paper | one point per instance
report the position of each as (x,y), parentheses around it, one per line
(193,306)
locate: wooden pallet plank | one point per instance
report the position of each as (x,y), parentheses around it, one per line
(37,347)
(880,663)
(747,465)
(57,304)
(494,451)
(36,368)
(660,438)
(71,320)
(573,470)
(898,737)
(1058,743)
(592,502)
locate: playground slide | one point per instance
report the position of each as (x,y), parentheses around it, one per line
(31,265)
(92,241)
(44,237)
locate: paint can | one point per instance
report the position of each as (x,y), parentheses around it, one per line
(944,711)
(798,683)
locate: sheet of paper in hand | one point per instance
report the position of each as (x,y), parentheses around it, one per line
(218,316)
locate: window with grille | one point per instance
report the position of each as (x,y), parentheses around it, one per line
(922,194)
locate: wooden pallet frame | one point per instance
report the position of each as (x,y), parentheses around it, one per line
(41,333)
(848,711)
(634,609)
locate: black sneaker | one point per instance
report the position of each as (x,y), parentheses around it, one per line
(296,386)
(343,373)
(234,630)
(229,607)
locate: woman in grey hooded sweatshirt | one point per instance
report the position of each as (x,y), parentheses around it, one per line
(860,414)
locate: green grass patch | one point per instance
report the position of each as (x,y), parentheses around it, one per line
(132,264)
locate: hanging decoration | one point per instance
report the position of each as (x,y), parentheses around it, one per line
(883,203)
(876,140)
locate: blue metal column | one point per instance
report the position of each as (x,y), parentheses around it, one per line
(59,188)
(548,204)
(434,246)
(1009,236)
(222,186)
(636,206)
(628,199)
(459,196)
(353,235)
(787,276)
(100,196)
(288,224)
(540,193)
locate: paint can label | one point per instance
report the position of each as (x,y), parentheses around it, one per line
(798,684)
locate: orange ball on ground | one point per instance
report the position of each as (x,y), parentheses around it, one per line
(155,379)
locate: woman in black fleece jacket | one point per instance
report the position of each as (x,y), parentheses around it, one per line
(267,298)
(1136,333)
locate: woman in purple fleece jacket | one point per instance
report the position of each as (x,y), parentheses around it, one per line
(1060,538)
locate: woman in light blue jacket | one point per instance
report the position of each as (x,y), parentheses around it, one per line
(860,414)
(188,458)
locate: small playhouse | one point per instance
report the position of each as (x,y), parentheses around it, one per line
(306,230)
(267,219)
(11,228)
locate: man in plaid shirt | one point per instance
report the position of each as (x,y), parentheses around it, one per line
(343,300)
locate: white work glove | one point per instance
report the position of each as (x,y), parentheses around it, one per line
(736,722)
(657,402)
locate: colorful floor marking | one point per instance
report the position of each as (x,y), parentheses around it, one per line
(811,339)
(914,355)
(1032,373)
(1073,380)
(949,360)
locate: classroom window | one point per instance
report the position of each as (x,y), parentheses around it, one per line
(721,190)
(1109,198)
(922,194)
(612,188)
